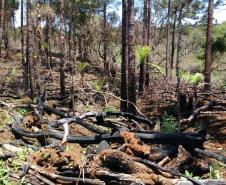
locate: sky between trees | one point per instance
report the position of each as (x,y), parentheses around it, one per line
(219,14)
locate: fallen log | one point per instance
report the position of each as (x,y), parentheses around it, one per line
(184,139)
(99,116)
(68,119)
(131,116)
(211,155)
(202,182)
(162,152)
(172,172)
(79,121)
(194,115)
(63,178)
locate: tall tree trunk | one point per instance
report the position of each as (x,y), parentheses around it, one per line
(14,28)
(2,4)
(168,71)
(22,40)
(208,59)
(70,32)
(173,41)
(47,48)
(147,70)
(38,37)
(62,50)
(29,68)
(131,59)
(142,63)
(124,63)
(5,37)
(105,39)
(177,64)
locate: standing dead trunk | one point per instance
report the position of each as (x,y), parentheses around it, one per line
(168,71)
(177,65)
(173,41)
(124,63)
(22,39)
(142,63)
(29,68)
(147,70)
(38,38)
(2,4)
(208,60)
(131,59)
(106,66)
(6,38)
(62,58)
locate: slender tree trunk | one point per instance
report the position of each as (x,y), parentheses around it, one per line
(6,38)
(124,63)
(37,64)
(14,27)
(62,50)
(22,40)
(177,64)
(105,38)
(70,40)
(147,71)
(168,71)
(131,59)
(47,48)
(208,59)
(2,3)
(142,63)
(173,41)
(29,68)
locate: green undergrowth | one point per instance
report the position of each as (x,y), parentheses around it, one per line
(169,124)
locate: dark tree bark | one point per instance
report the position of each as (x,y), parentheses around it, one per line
(38,38)
(208,59)
(62,49)
(29,68)
(124,63)
(105,38)
(131,59)
(2,4)
(173,40)
(48,36)
(5,37)
(22,39)
(147,68)
(142,63)
(168,71)
(177,64)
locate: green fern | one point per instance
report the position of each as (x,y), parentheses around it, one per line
(192,78)
(214,171)
(82,67)
(190,174)
(142,53)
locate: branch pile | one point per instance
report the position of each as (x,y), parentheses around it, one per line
(113,149)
